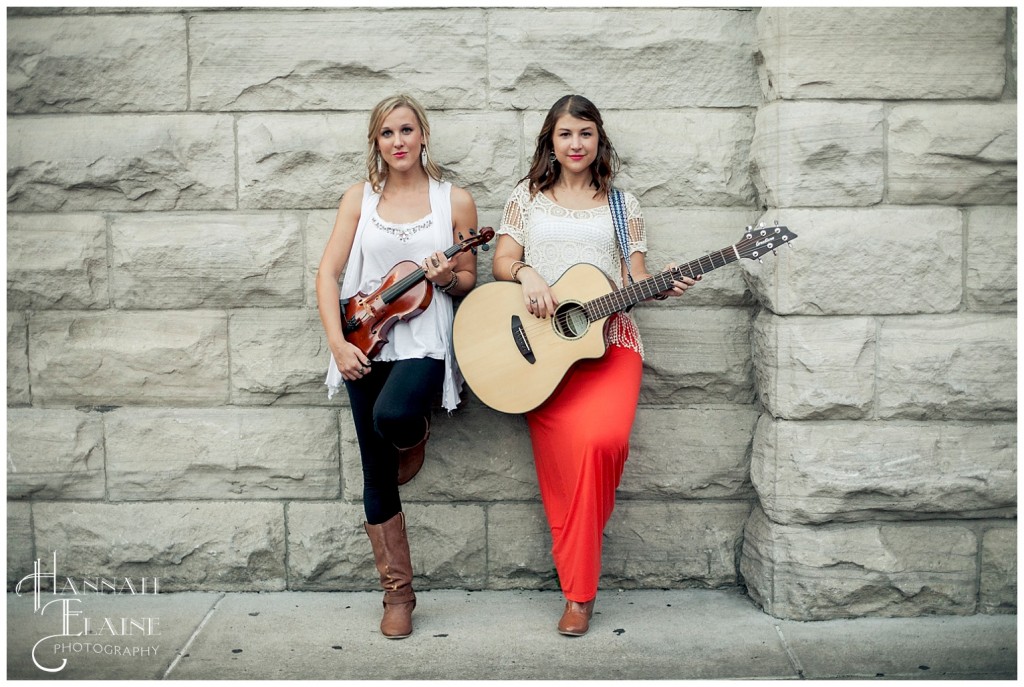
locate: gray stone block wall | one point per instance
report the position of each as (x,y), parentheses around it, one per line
(833,428)
(885,462)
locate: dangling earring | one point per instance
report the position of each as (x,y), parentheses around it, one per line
(423,155)
(551,161)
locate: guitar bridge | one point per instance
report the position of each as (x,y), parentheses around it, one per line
(522,342)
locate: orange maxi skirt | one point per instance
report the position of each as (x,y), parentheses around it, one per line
(580,444)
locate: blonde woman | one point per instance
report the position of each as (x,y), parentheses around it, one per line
(403,211)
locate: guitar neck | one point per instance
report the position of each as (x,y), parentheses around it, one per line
(624,298)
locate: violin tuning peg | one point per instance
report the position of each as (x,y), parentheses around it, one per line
(473,251)
(486,246)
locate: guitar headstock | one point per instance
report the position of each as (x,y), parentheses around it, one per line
(476,238)
(760,239)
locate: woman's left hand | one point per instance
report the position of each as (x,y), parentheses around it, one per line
(439,268)
(679,286)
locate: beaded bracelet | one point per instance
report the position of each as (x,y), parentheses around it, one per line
(450,285)
(514,272)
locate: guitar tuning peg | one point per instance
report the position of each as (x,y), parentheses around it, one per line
(775,251)
(761,260)
(776,221)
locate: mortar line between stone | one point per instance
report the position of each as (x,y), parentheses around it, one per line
(195,633)
(793,660)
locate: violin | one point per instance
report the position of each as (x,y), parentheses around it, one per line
(403,294)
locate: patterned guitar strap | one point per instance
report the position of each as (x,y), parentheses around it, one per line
(617,205)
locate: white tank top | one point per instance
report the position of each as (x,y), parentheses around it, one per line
(384,244)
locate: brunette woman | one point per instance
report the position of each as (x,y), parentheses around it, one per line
(556,217)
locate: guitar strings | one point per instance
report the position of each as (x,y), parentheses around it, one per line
(607,301)
(726,255)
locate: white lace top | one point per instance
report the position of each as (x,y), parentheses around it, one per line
(555,238)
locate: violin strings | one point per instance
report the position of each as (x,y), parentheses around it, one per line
(413,278)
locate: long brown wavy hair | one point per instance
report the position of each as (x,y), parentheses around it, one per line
(376,170)
(544,172)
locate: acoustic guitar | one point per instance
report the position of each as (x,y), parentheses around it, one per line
(403,294)
(513,361)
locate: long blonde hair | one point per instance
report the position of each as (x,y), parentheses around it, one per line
(376,170)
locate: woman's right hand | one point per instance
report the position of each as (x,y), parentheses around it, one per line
(540,301)
(352,362)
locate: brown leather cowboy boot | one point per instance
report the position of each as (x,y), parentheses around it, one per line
(576,618)
(410,460)
(394,563)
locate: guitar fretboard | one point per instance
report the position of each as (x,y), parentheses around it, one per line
(617,301)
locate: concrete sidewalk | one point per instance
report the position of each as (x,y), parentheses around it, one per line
(459,635)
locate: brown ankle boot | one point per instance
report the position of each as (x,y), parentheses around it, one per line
(394,563)
(576,618)
(410,460)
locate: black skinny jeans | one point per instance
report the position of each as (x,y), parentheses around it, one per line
(390,407)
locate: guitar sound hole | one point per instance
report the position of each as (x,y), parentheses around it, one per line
(571,321)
